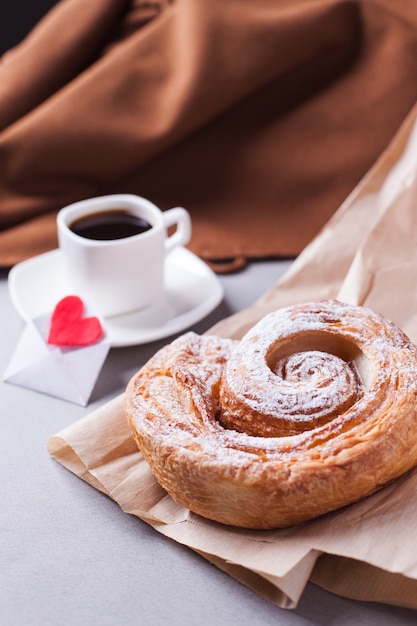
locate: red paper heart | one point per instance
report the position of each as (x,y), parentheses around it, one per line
(68,326)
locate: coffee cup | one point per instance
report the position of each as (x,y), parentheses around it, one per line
(115,247)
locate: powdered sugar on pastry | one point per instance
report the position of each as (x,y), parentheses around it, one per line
(314,408)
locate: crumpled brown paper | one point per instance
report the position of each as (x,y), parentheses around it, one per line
(367,254)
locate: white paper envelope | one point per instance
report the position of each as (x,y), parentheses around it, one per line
(69,373)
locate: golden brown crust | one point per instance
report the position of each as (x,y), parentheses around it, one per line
(315,408)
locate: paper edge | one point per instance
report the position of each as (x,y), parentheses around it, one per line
(395,589)
(66,456)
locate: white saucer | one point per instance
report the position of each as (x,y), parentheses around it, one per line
(192,292)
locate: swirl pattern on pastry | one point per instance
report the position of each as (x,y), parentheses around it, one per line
(315,408)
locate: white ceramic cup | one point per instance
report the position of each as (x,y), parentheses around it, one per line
(119,276)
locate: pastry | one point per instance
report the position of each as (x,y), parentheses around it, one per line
(313,409)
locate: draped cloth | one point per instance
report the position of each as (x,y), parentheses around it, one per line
(258,117)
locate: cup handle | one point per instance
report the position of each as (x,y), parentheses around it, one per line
(180,218)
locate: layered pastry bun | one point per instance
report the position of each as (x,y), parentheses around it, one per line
(312,410)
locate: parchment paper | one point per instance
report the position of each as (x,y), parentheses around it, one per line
(366,254)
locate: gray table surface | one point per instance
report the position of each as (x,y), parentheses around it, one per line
(70,556)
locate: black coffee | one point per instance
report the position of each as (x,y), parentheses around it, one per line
(106,225)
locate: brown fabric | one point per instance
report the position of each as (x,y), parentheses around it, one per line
(258,117)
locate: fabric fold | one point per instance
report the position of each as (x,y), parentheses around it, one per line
(259,118)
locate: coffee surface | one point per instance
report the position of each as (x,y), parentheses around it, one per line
(107,225)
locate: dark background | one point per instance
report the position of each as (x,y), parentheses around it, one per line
(17,18)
